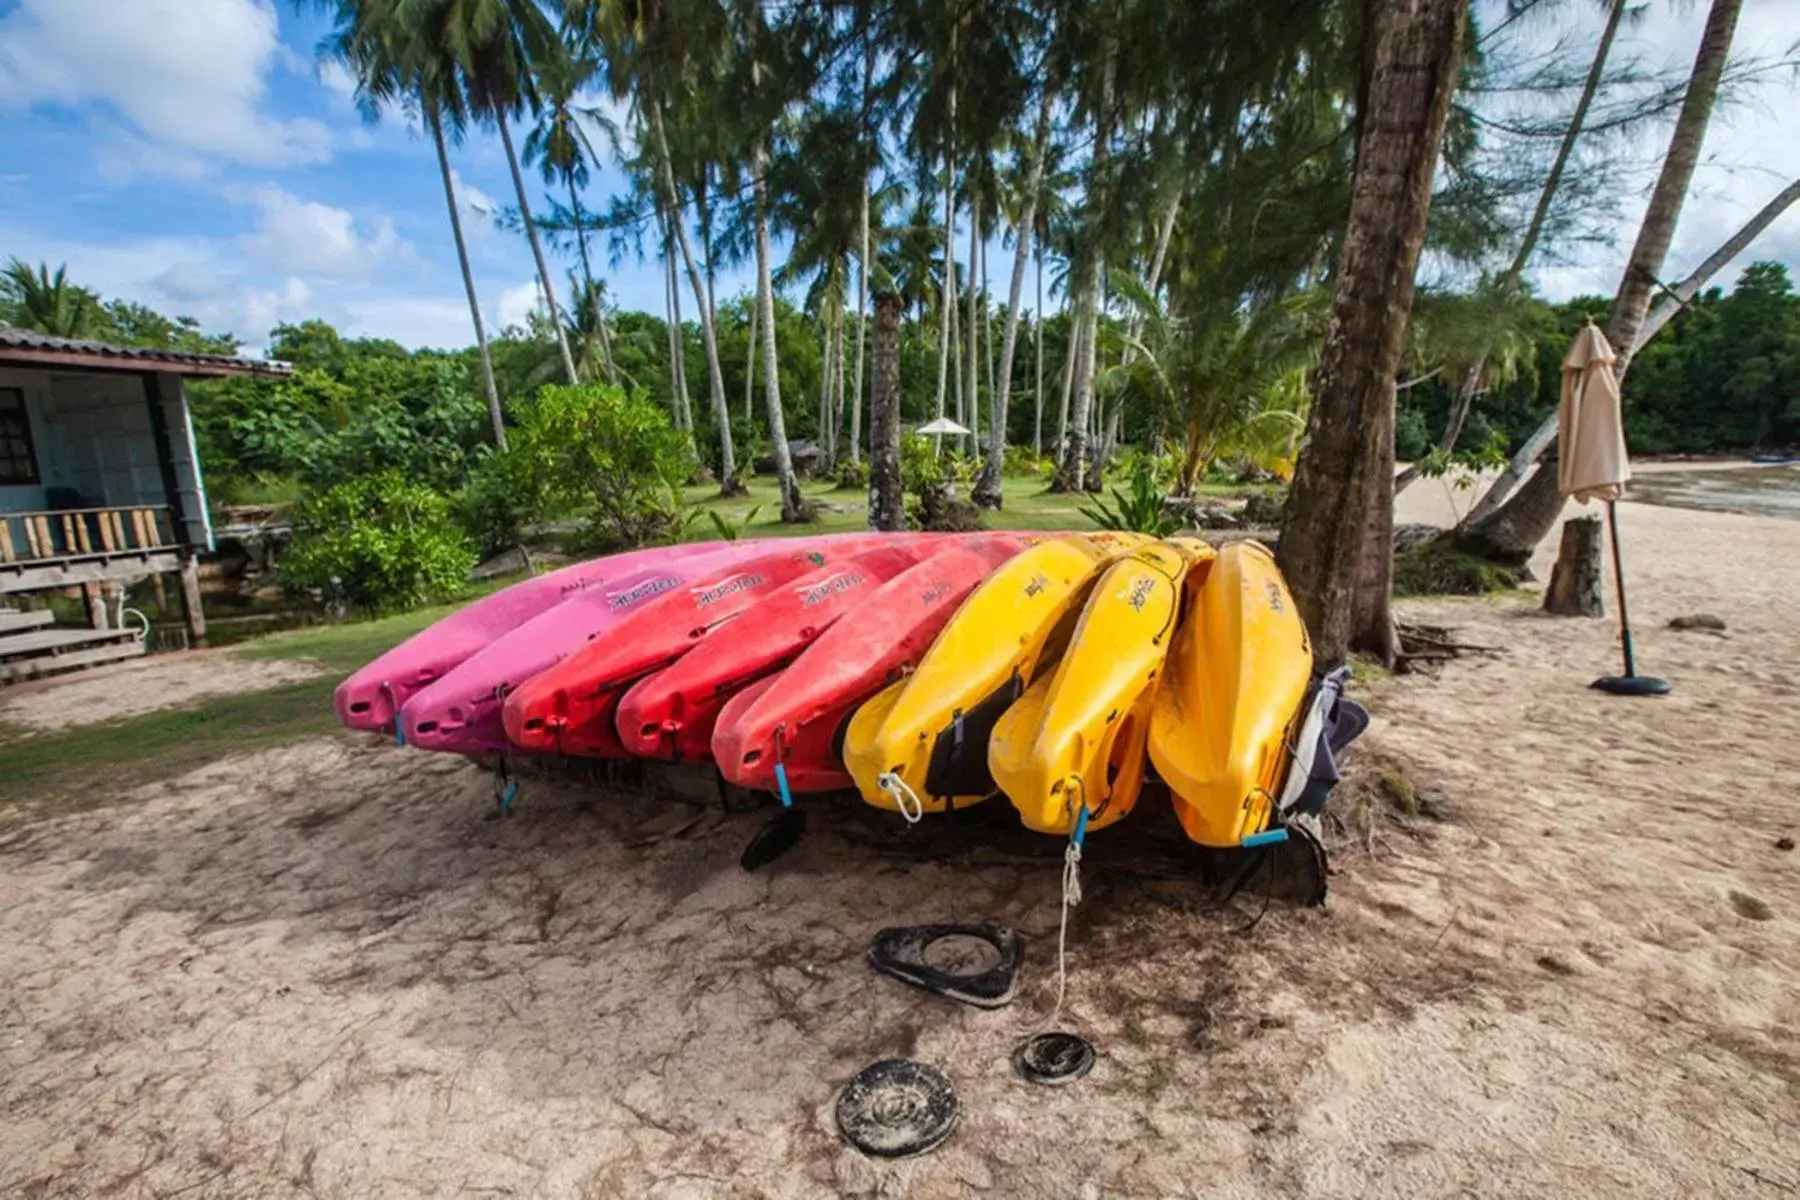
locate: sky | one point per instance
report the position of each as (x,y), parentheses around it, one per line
(192,155)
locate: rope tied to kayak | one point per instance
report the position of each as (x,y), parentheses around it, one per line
(901,793)
(1071,891)
(506,785)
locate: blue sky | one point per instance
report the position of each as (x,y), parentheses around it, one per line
(191,154)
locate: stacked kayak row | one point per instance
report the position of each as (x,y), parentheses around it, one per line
(927,672)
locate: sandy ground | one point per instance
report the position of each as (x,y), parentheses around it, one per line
(317,971)
(145,685)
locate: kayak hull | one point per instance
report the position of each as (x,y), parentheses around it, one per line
(1237,674)
(571,707)
(801,723)
(462,712)
(373,696)
(672,714)
(928,734)
(1077,737)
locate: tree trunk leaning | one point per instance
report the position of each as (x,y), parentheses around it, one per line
(462,257)
(537,250)
(1575,582)
(1345,472)
(1471,381)
(1510,531)
(887,504)
(715,373)
(794,508)
(862,308)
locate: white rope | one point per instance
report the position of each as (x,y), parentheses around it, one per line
(905,799)
(1071,896)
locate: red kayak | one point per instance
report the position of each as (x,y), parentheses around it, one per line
(796,717)
(670,715)
(568,708)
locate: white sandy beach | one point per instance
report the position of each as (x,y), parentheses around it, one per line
(318,971)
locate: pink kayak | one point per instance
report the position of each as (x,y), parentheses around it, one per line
(462,712)
(371,697)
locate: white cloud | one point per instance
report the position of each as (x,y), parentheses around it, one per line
(516,305)
(337,79)
(185,77)
(298,235)
(472,201)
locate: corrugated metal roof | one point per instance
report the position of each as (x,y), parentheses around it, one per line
(40,349)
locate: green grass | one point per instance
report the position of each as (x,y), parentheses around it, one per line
(93,765)
(1027,504)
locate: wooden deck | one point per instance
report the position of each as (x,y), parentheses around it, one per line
(32,652)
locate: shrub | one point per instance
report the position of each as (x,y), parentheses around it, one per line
(386,543)
(1142,508)
(614,458)
(1021,462)
(920,466)
(852,476)
(1412,437)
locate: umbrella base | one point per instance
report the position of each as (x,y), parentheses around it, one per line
(1632,685)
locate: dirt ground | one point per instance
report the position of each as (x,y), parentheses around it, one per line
(142,686)
(1567,965)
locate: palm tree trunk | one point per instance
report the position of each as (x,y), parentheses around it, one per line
(1336,548)
(715,374)
(1037,319)
(973,420)
(462,257)
(537,248)
(837,386)
(1071,352)
(678,400)
(607,370)
(947,310)
(862,307)
(887,510)
(793,506)
(987,491)
(1072,474)
(825,381)
(1511,531)
(750,371)
(1471,381)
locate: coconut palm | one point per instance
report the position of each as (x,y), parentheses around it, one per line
(560,146)
(389,55)
(33,298)
(496,48)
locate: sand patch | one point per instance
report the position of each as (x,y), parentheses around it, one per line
(144,686)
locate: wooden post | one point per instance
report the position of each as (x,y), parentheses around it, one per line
(190,601)
(1575,589)
(162,595)
(95,595)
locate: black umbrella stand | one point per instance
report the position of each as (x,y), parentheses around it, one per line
(1630,683)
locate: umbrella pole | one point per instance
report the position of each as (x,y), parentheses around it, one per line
(1630,683)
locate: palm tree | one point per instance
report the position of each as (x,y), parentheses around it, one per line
(1511,531)
(1337,545)
(496,47)
(389,55)
(33,298)
(987,490)
(793,505)
(558,143)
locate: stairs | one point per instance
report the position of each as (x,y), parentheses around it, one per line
(30,646)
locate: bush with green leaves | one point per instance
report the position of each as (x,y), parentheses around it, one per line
(920,465)
(1022,462)
(1140,507)
(852,476)
(382,542)
(613,458)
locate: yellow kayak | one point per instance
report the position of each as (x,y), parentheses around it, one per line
(1237,675)
(1076,737)
(920,745)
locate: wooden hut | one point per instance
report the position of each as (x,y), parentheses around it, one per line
(100,486)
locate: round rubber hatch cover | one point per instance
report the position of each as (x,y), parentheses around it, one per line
(896,1107)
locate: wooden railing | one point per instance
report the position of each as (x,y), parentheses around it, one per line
(31,537)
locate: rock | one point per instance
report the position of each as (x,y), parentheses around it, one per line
(1195,513)
(1408,536)
(507,562)
(1264,511)
(1786,843)
(1705,621)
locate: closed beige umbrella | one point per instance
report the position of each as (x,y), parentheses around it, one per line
(1592,465)
(1590,430)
